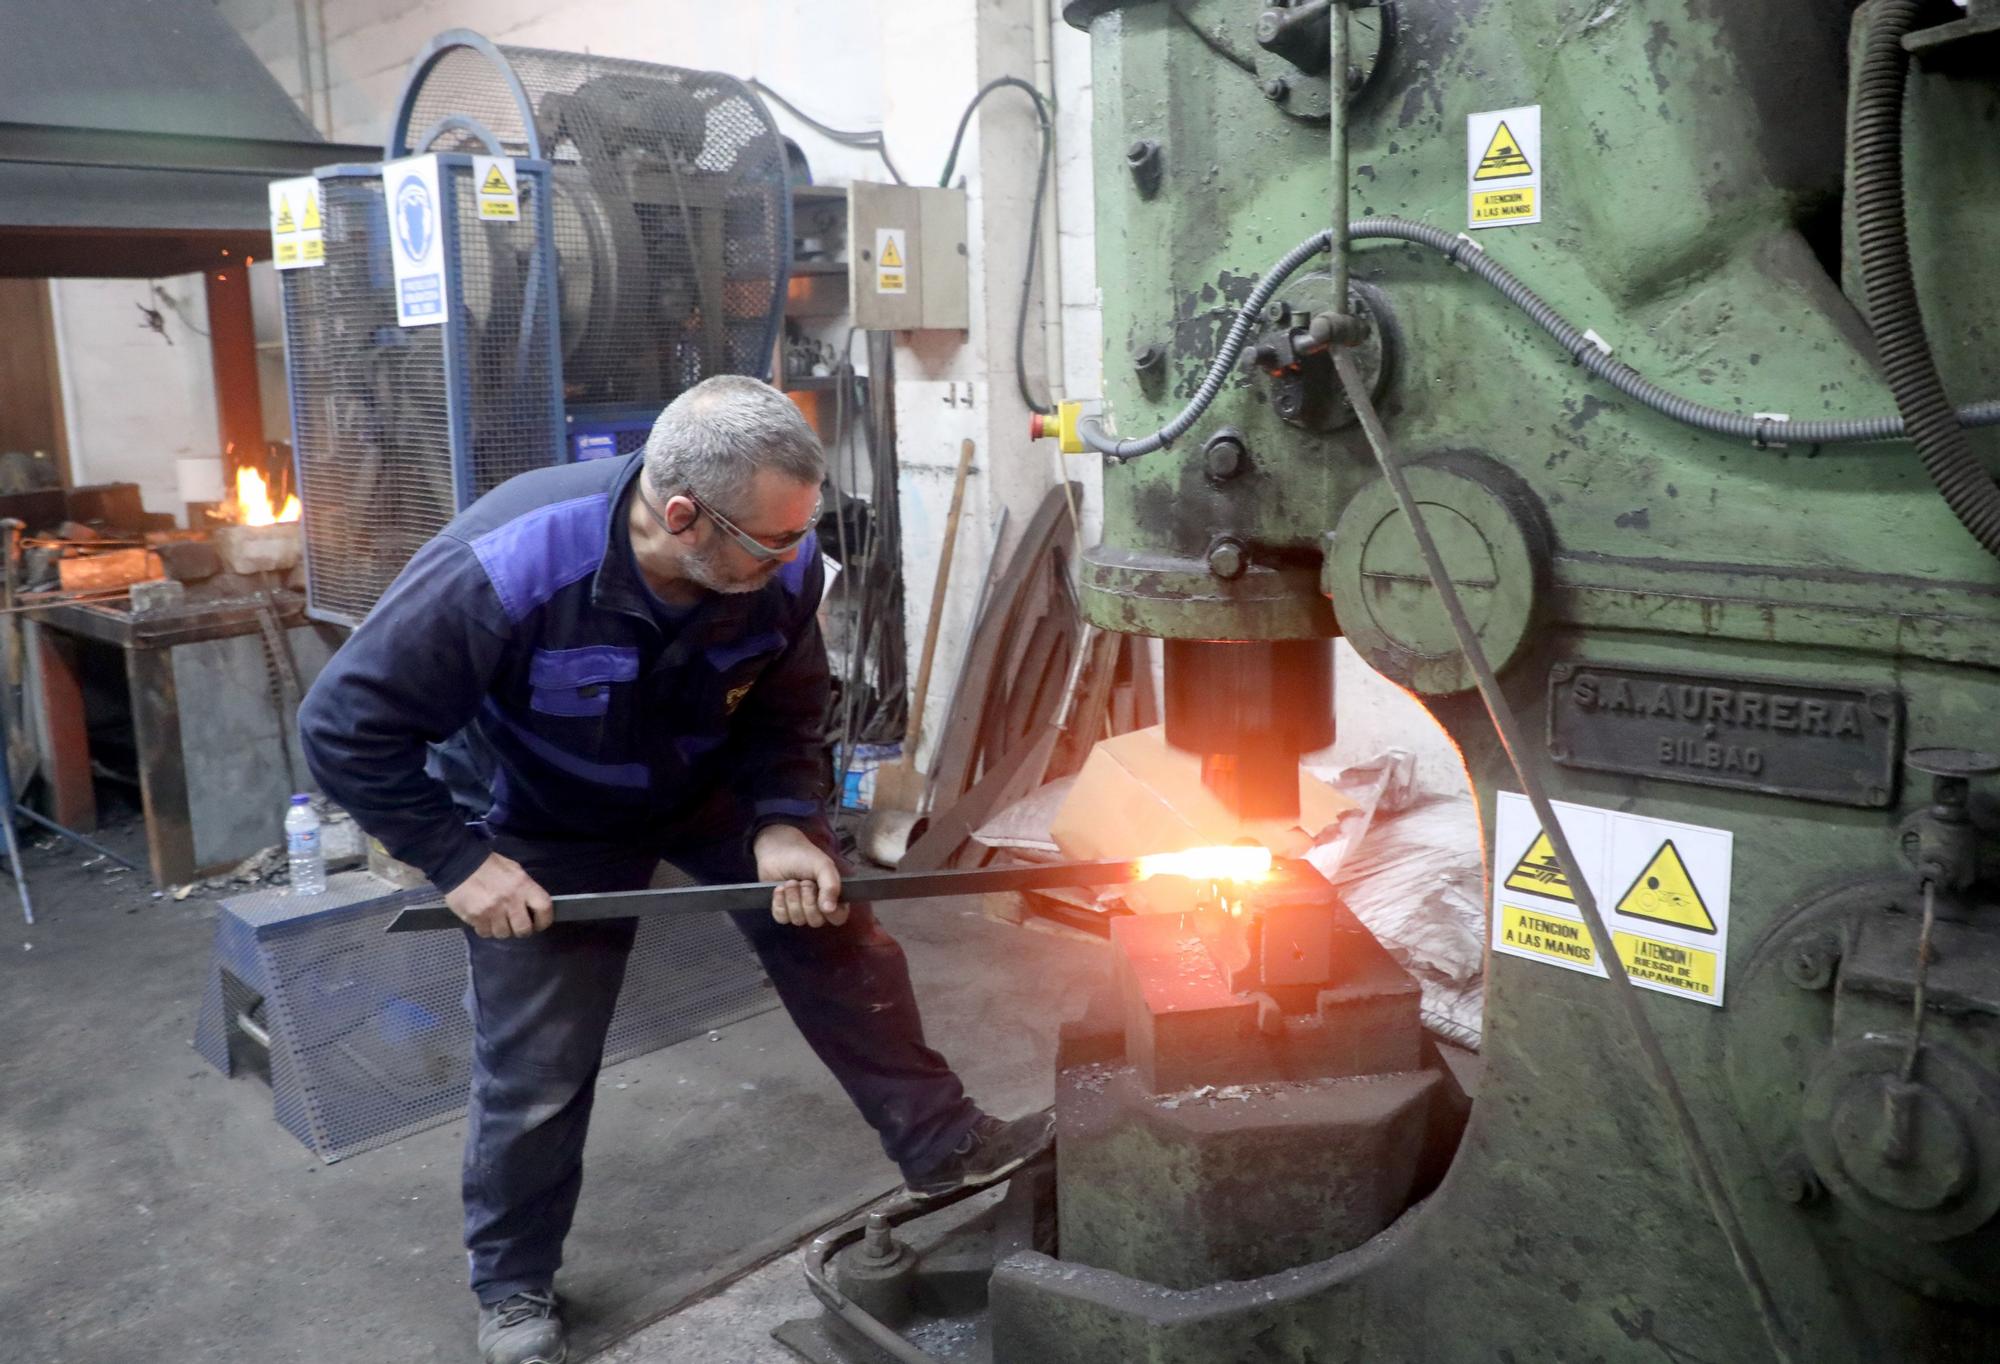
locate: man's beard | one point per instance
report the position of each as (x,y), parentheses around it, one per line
(703,567)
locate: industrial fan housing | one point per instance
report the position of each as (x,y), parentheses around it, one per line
(650,250)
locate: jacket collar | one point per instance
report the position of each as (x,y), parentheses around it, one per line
(617,586)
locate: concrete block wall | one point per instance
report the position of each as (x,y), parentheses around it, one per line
(1075,211)
(945,387)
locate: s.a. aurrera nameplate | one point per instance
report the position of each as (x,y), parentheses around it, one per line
(1818,742)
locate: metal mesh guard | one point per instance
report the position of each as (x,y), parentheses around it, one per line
(672,212)
(370,1040)
(372,436)
(380,470)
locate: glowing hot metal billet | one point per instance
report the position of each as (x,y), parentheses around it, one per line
(1211,864)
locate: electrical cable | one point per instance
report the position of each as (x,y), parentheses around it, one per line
(882,616)
(1506,727)
(1092,431)
(871,141)
(1594,356)
(892,679)
(1043,112)
(1875,139)
(1214,41)
(1583,347)
(869,710)
(850,682)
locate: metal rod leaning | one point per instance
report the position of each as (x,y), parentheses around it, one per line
(73,836)
(1338,44)
(1508,729)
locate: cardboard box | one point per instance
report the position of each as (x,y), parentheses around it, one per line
(1138,795)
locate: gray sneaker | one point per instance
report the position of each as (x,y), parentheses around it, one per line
(525,1329)
(987,1154)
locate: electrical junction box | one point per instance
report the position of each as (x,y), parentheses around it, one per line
(906,247)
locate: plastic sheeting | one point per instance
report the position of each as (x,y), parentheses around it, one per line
(1409,864)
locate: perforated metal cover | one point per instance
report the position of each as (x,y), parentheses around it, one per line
(390,439)
(672,210)
(369,1037)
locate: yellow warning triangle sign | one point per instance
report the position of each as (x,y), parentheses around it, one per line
(892,259)
(1538,872)
(1503,159)
(1665,893)
(495,182)
(311,220)
(284,222)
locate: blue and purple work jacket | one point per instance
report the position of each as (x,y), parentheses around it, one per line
(520,671)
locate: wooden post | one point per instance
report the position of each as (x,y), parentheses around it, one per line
(73,803)
(232,345)
(31,409)
(156,731)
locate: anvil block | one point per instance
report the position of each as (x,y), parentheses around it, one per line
(1185,1026)
(1237,1184)
(1181,1018)
(1297,943)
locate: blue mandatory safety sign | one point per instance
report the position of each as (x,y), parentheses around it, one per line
(416,216)
(414,231)
(416,225)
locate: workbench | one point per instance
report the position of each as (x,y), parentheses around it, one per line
(212,717)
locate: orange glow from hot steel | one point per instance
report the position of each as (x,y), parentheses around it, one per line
(253,501)
(1229,863)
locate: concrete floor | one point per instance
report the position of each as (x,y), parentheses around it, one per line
(152,1209)
(733,1327)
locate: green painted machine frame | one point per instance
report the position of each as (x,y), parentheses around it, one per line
(1692,187)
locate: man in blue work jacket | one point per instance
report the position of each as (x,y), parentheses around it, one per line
(595,668)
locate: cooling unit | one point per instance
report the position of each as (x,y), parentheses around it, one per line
(604,234)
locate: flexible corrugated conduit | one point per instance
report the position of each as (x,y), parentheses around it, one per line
(1875,141)
(1580,346)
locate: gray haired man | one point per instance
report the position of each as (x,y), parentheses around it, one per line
(595,668)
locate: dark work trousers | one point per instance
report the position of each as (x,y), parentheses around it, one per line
(541,1007)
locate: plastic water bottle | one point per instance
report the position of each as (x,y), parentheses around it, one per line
(302,848)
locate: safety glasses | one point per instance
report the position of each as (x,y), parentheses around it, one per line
(761,550)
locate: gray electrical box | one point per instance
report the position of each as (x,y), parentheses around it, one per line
(907,262)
